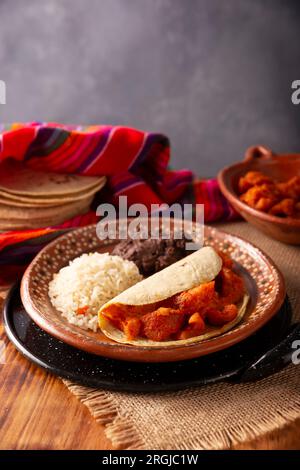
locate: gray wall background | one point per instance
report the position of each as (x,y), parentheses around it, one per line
(214,75)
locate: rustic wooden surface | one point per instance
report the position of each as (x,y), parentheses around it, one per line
(38,412)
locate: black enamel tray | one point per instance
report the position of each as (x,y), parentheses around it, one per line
(263,353)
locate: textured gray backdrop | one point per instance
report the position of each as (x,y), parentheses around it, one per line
(214,75)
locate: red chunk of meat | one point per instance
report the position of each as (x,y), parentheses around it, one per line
(132,328)
(286,207)
(193,300)
(261,197)
(218,317)
(290,188)
(267,195)
(252,178)
(195,327)
(230,287)
(161,324)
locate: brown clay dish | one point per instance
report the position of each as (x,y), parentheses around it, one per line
(263,281)
(280,167)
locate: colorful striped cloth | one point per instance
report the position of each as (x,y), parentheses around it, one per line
(135,163)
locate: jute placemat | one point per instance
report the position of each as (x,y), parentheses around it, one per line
(212,417)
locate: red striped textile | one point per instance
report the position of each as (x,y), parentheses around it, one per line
(135,163)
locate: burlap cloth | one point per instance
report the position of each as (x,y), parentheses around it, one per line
(211,417)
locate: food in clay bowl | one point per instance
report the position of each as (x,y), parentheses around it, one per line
(265,190)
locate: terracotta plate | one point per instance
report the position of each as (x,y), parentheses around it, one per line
(263,281)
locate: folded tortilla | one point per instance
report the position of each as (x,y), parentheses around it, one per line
(198,268)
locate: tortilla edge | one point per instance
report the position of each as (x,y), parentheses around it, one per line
(168,292)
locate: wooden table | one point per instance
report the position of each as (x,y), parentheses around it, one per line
(38,412)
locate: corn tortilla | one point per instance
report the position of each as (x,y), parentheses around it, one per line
(198,268)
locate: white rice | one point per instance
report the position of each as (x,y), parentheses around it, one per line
(90,280)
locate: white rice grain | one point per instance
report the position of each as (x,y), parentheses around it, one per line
(90,281)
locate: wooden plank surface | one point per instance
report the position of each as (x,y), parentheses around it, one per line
(38,412)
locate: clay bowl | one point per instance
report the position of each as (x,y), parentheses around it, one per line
(280,167)
(263,282)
